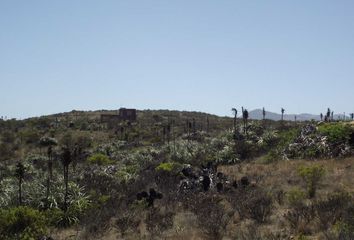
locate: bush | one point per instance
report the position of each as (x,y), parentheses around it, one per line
(30,136)
(252,203)
(169,167)
(245,149)
(6,151)
(259,206)
(63,219)
(288,136)
(271,157)
(295,197)
(333,209)
(299,218)
(212,216)
(337,133)
(157,222)
(47,141)
(22,223)
(312,176)
(99,159)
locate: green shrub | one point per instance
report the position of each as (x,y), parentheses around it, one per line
(259,206)
(301,237)
(29,136)
(333,209)
(99,159)
(336,132)
(53,216)
(169,167)
(312,176)
(295,196)
(127,173)
(271,157)
(342,230)
(22,223)
(288,136)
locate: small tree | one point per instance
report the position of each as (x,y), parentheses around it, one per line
(321,116)
(282,114)
(312,175)
(19,174)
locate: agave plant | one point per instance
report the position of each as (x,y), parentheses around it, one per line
(7,192)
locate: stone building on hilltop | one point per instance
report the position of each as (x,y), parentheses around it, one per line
(124,114)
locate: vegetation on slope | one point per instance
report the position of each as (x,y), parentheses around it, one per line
(174,174)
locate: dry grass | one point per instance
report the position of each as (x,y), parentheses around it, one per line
(283,174)
(274,177)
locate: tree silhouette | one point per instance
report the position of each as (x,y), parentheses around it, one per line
(19,174)
(245,119)
(263,113)
(328,115)
(49,142)
(321,116)
(194,125)
(282,114)
(67,157)
(234,110)
(207,120)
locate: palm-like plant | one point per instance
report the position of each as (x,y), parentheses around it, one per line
(234,110)
(263,113)
(19,174)
(245,116)
(49,143)
(328,115)
(207,120)
(282,114)
(67,157)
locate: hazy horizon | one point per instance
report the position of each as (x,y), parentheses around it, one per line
(202,56)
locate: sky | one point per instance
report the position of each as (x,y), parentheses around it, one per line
(198,55)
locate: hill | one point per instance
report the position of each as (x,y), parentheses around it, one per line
(258,115)
(174,175)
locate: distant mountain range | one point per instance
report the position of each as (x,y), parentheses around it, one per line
(258,114)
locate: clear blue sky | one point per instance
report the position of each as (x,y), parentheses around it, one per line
(200,55)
